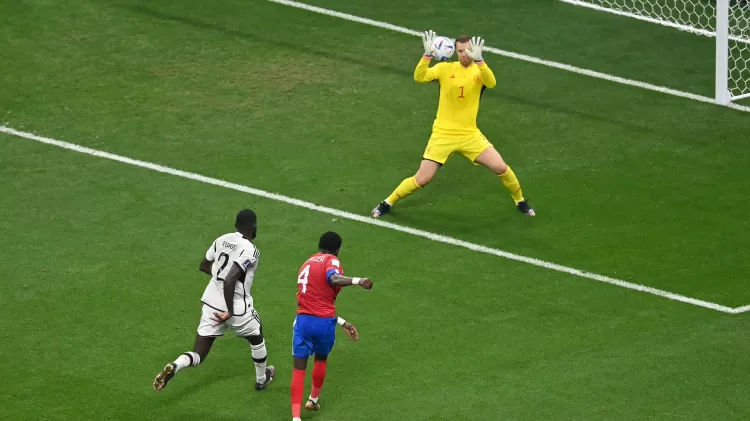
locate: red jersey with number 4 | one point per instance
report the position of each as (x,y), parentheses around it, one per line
(315,294)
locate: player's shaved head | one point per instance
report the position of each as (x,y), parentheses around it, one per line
(246,223)
(330,242)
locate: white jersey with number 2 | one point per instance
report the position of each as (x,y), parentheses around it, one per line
(229,250)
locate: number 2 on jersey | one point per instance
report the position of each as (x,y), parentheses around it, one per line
(303,278)
(223,265)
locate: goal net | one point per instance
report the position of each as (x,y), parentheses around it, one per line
(727,20)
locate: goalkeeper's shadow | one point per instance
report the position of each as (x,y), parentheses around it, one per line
(600,114)
(261,39)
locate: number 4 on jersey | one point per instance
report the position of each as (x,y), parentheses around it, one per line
(303,278)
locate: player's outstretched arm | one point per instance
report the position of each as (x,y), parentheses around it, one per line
(427,38)
(475,52)
(423,73)
(488,78)
(337,280)
(205,266)
(351,331)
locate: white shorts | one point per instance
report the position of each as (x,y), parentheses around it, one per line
(246,325)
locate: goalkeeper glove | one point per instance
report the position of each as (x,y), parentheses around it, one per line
(475,51)
(427,38)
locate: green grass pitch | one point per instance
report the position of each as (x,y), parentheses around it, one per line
(100,278)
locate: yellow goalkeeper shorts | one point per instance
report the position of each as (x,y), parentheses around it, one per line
(440,147)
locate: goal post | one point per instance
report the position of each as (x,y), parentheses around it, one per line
(728,21)
(722,95)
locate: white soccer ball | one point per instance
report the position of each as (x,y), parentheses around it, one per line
(442,48)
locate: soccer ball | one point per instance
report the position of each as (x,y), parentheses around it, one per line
(442,48)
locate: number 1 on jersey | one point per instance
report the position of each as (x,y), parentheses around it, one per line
(462,92)
(303,278)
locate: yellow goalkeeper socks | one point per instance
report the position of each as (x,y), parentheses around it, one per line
(407,187)
(511,183)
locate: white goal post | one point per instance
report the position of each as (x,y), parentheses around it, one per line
(726,20)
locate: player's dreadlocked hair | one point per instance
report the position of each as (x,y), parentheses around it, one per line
(330,241)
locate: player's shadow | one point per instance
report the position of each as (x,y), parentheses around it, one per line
(600,114)
(259,38)
(201,416)
(179,391)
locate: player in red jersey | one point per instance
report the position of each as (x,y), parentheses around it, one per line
(319,282)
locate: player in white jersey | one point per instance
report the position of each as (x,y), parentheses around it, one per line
(231,261)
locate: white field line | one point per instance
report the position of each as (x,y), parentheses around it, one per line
(517,56)
(739,310)
(377,222)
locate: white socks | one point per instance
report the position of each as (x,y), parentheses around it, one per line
(260,356)
(188,359)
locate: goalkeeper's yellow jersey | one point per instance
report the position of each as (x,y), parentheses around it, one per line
(460,90)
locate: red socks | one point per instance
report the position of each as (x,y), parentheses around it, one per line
(318,377)
(297,390)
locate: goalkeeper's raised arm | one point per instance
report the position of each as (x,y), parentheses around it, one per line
(424,73)
(474,52)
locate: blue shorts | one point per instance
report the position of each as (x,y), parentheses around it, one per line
(313,335)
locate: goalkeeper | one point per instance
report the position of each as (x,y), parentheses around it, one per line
(455,127)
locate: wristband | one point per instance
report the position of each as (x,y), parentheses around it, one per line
(341,321)
(356,281)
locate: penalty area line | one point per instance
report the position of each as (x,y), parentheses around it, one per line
(376,222)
